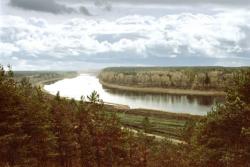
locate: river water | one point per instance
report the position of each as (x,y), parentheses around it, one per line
(84,84)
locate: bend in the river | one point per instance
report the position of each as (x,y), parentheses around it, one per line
(84,84)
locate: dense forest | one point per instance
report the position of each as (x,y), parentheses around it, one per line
(39,130)
(195,78)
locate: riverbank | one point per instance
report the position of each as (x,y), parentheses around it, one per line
(163,90)
(165,124)
(40,78)
(53,80)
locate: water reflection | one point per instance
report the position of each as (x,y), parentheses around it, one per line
(204,100)
(85,84)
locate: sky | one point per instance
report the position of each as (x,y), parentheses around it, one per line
(80,34)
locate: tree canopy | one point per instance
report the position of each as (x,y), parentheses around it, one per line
(40,130)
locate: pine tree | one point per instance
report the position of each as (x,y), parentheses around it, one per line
(83,135)
(146,125)
(63,129)
(221,138)
(12,107)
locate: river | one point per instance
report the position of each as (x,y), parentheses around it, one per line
(84,84)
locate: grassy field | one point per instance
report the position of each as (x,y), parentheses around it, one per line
(164,127)
(166,124)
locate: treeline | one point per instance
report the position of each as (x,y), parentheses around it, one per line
(37,130)
(37,77)
(196,78)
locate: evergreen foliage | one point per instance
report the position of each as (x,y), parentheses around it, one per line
(222,138)
(37,130)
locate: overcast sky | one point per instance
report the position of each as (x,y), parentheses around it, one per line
(79,34)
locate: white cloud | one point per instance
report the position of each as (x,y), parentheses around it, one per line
(138,37)
(6,49)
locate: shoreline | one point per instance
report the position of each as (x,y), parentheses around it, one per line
(163,121)
(42,83)
(114,105)
(163,90)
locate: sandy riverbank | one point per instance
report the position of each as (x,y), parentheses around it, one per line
(163,90)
